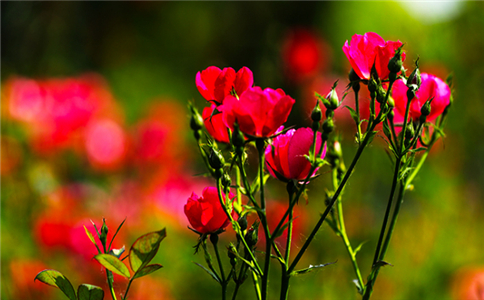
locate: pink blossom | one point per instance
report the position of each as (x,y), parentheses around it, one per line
(431,87)
(215,125)
(370,49)
(285,156)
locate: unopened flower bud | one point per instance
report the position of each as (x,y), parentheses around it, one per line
(252,236)
(216,159)
(333,99)
(395,63)
(242,222)
(328,125)
(372,85)
(414,77)
(425,110)
(391,102)
(412,90)
(410,132)
(380,95)
(104,233)
(316,114)
(196,121)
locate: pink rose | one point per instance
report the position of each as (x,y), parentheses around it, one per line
(206,214)
(215,84)
(258,112)
(368,49)
(431,87)
(285,157)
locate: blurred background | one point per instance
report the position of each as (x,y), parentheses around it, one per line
(112,139)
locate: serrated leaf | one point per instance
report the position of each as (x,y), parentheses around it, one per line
(57,279)
(113,264)
(89,292)
(147,270)
(208,271)
(145,248)
(311,268)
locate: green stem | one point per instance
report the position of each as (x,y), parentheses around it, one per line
(357,109)
(285,275)
(223,281)
(260,143)
(342,231)
(127,289)
(362,146)
(109,276)
(401,193)
(387,212)
(236,226)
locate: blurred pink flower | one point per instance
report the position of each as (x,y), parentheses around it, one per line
(468,284)
(370,49)
(22,274)
(105,144)
(258,112)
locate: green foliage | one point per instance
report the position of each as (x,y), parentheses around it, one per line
(56,279)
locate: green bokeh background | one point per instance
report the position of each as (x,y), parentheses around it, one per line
(154,49)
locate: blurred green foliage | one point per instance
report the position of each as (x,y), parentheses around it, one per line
(152,50)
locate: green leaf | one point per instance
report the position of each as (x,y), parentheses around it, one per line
(147,270)
(117,230)
(311,268)
(353,113)
(277,234)
(56,279)
(113,264)
(208,271)
(90,292)
(145,248)
(89,235)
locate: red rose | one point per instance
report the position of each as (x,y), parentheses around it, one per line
(206,214)
(286,154)
(215,125)
(368,49)
(258,112)
(215,84)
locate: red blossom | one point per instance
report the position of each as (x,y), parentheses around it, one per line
(215,125)
(258,112)
(215,84)
(206,214)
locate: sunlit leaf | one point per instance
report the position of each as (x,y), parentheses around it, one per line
(90,292)
(56,279)
(113,264)
(145,248)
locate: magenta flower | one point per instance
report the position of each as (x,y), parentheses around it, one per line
(258,112)
(206,214)
(431,87)
(285,157)
(215,125)
(368,49)
(215,84)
